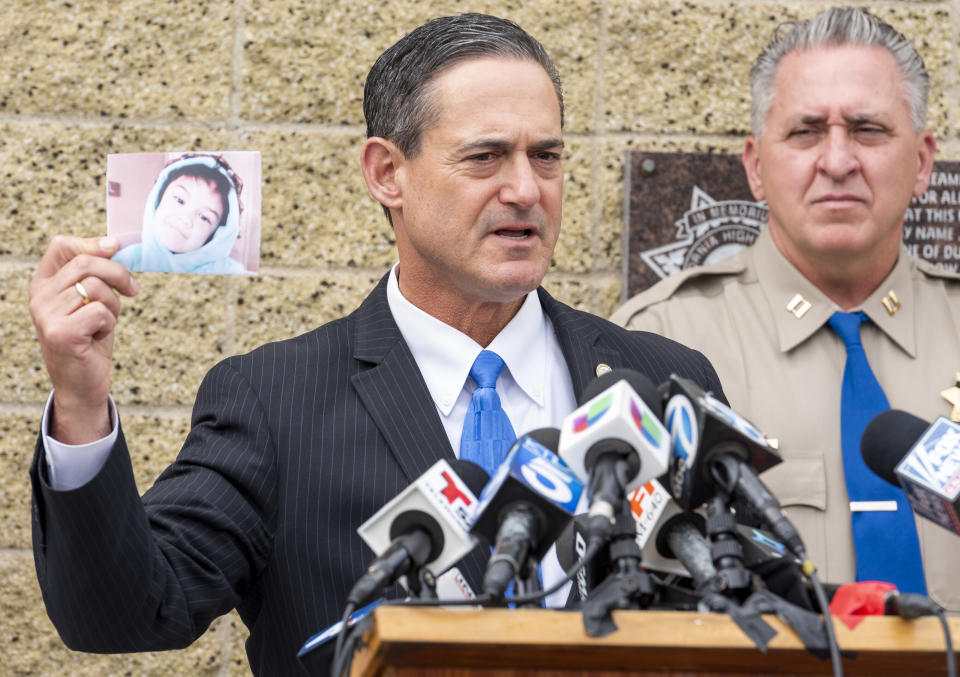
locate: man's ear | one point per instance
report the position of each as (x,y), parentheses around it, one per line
(927,147)
(379,160)
(751,164)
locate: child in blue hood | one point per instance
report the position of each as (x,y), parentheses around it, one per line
(191,220)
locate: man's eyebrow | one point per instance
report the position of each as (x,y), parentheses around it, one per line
(492,143)
(489,143)
(547,144)
(858,118)
(862,118)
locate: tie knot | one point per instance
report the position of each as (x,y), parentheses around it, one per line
(847,326)
(486,368)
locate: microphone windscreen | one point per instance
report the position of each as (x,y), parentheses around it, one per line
(472,475)
(887,439)
(548,437)
(642,385)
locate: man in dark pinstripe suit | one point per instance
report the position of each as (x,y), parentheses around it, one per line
(295,444)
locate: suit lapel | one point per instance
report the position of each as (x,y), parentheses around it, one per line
(393,390)
(579,342)
(394,393)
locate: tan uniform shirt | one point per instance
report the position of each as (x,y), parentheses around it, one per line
(783,370)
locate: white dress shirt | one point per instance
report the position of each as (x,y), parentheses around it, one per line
(535,387)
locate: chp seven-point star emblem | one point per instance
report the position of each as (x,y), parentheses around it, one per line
(709,231)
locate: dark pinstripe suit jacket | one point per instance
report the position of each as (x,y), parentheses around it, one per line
(292,447)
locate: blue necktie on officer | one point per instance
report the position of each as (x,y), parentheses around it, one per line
(885,541)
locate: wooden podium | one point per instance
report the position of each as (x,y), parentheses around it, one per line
(460,642)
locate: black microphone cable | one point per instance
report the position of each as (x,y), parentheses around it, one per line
(951,657)
(811,573)
(910,606)
(338,655)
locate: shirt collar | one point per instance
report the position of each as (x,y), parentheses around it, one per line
(800,309)
(445,354)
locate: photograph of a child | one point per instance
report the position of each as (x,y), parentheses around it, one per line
(199,215)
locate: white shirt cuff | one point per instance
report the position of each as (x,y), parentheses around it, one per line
(72,465)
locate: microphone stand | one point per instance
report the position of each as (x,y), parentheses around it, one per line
(733,583)
(422,583)
(528,583)
(627,587)
(733,579)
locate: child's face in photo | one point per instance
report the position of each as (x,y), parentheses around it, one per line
(189,211)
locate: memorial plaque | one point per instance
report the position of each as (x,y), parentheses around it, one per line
(687,209)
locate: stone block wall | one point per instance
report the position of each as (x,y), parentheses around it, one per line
(82,79)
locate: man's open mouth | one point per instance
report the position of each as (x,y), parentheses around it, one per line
(514,233)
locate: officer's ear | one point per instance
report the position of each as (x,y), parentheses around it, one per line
(751,164)
(926,147)
(379,160)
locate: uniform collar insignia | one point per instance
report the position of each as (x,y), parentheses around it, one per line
(952,395)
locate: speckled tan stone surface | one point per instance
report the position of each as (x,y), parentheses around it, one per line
(23,378)
(305,62)
(80,80)
(574,251)
(168,336)
(18,434)
(274,308)
(700,86)
(316,208)
(155,441)
(682,67)
(119,59)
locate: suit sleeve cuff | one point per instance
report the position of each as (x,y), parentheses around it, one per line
(70,466)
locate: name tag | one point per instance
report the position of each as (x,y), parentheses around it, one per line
(873,506)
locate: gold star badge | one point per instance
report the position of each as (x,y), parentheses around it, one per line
(952,395)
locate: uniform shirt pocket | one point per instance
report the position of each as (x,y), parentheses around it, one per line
(800,480)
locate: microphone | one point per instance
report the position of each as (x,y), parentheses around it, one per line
(714,447)
(876,598)
(671,541)
(923,459)
(616,440)
(525,506)
(659,522)
(572,547)
(428,523)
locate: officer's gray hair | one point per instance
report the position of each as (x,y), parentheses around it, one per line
(836,27)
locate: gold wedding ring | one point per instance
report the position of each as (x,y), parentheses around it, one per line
(84,298)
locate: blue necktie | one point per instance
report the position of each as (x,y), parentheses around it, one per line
(487,433)
(885,542)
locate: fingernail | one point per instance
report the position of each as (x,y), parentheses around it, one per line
(133,283)
(108,243)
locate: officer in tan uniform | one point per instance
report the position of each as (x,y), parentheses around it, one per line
(838,150)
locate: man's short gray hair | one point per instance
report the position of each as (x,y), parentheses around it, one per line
(837,27)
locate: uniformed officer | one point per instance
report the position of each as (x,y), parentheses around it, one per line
(838,148)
